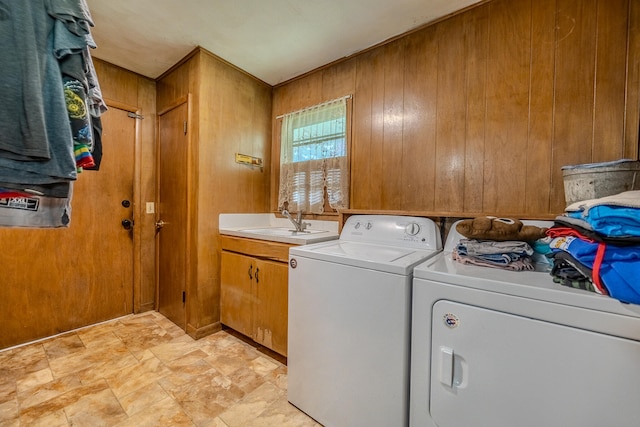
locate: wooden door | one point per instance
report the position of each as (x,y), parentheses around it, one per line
(270,305)
(105,199)
(237,273)
(55,280)
(173,213)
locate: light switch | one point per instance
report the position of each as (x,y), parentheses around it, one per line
(151,207)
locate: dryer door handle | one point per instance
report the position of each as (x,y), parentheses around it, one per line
(446,366)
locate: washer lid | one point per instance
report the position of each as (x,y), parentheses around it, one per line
(390,259)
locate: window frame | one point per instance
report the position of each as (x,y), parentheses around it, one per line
(276,153)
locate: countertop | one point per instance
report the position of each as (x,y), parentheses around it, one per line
(266,226)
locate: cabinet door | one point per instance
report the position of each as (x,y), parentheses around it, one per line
(235,291)
(270,305)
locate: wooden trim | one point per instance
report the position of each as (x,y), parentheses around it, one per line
(156,215)
(438,216)
(276,144)
(121,105)
(203,331)
(275,251)
(350,145)
(176,103)
(138,213)
(190,266)
(632,85)
(259,347)
(178,64)
(146,307)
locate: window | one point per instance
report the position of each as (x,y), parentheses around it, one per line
(314,158)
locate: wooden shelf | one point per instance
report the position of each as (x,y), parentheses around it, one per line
(438,216)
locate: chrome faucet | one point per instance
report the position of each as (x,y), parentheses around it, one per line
(297,223)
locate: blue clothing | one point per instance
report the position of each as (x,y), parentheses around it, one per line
(616,216)
(610,220)
(620,268)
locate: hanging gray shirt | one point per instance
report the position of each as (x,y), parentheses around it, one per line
(36,138)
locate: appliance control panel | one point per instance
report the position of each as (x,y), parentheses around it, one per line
(395,230)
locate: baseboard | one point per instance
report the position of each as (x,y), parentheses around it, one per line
(197,333)
(262,349)
(146,307)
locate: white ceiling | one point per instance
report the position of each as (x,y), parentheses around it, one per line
(274,40)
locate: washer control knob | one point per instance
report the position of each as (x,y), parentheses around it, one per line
(357,225)
(412,229)
(368,226)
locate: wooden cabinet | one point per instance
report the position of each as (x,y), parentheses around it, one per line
(253,294)
(236,291)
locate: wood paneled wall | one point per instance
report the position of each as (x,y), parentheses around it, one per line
(479,112)
(231,113)
(47,286)
(235,117)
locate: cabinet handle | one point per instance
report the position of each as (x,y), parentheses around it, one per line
(257,280)
(251,272)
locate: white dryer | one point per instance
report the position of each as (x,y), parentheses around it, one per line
(494,348)
(349,320)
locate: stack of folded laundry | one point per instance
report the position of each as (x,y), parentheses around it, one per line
(596,246)
(497,242)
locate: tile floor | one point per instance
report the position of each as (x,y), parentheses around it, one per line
(142,370)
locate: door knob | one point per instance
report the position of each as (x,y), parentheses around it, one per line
(127,224)
(159,224)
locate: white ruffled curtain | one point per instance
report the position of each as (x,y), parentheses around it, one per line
(313,156)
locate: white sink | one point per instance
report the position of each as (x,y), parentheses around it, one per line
(268,227)
(281,231)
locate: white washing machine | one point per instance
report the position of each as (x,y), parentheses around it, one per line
(349,320)
(493,348)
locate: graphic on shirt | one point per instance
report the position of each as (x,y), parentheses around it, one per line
(23,203)
(75,104)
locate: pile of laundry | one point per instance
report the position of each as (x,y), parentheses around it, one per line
(497,242)
(50,110)
(596,246)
